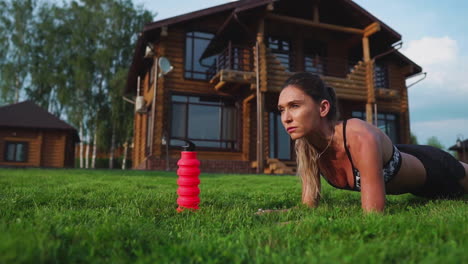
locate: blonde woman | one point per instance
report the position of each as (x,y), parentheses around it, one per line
(355,155)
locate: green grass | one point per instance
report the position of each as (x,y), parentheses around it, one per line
(69,216)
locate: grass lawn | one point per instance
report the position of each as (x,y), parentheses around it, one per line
(68,216)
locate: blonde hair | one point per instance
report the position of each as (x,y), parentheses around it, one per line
(306,154)
(307,169)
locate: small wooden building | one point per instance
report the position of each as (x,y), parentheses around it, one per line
(461,148)
(230,62)
(32,137)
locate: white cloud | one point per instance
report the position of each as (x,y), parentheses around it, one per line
(446,70)
(432,51)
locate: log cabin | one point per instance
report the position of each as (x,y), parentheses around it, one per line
(461,150)
(229,64)
(32,137)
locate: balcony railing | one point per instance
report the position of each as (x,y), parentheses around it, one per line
(335,67)
(238,58)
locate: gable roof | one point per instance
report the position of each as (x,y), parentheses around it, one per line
(463,146)
(360,14)
(241,4)
(29,115)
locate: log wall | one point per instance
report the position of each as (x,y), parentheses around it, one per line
(351,88)
(46,148)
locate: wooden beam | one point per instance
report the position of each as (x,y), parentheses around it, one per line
(270,7)
(316,14)
(371,29)
(220,85)
(310,23)
(365,49)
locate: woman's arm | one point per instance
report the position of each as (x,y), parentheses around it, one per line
(367,157)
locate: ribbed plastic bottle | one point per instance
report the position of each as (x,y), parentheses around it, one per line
(188,171)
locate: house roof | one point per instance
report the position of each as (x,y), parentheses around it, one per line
(360,14)
(464,145)
(29,115)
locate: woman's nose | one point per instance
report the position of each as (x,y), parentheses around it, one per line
(286,117)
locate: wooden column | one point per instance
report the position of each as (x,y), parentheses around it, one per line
(261,83)
(316,14)
(246,127)
(369,31)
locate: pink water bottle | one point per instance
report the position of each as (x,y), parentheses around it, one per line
(188,181)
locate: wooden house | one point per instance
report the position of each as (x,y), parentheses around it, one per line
(461,148)
(229,65)
(32,137)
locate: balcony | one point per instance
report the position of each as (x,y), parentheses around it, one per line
(232,68)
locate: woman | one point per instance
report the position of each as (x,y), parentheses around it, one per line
(355,155)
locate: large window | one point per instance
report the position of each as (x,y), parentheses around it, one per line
(314,56)
(283,51)
(380,76)
(207,121)
(195,45)
(16,151)
(385,121)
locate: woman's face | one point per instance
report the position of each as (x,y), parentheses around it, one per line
(300,114)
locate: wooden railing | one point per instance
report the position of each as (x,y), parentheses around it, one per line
(237,58)
(334,67)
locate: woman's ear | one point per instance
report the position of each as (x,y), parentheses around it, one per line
(324,108)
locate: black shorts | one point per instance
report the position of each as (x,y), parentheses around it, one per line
(443,172)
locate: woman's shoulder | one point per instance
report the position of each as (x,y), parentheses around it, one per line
(358,129)
(356,124)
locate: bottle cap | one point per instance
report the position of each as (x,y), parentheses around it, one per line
(189,147)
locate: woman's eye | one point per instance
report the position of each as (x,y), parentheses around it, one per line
(294,106)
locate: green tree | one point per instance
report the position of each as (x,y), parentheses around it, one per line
(413,139)
(16,26)
(434,141)
(72,59)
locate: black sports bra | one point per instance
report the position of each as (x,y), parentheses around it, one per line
(390,169)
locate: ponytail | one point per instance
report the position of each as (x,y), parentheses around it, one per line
(307,169)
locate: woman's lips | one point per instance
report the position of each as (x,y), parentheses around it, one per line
(291,129)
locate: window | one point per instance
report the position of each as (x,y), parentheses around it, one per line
(283,51)
(195,45)
(207,121)
(385,121)
(314,57)
(16,151)
(380,76)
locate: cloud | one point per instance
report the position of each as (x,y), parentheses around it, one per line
(441,59)
(433,51)
(438,104)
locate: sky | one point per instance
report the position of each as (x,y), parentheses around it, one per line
(435,36)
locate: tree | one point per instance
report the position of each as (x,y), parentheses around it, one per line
(413,139)
(72,59)
(16,26)
(434,141)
